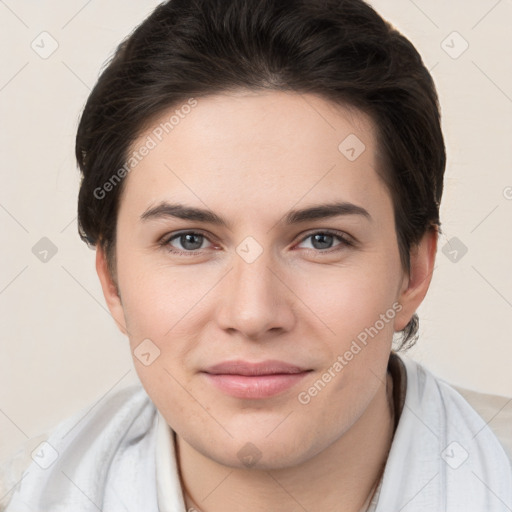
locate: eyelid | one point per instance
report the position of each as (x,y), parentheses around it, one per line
(346,240)
(174,234)
(165,240)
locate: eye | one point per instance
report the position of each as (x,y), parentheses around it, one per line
(322,240)
(190,242)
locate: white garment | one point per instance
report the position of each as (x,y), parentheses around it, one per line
(444,457)
(120,458)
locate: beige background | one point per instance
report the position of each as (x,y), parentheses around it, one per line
(60,350)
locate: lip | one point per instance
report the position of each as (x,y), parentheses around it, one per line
(243,379)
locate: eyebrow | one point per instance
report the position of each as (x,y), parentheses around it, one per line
(316,212)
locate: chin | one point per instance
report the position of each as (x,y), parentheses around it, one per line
(253,450)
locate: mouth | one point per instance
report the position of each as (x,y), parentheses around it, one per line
(243,379)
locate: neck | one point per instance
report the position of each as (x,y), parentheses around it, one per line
(341,478)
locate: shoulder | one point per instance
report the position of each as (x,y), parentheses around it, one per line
(102,411)
(12,468)
(495,410)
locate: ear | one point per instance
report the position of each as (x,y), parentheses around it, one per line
(416,284)
(110,292)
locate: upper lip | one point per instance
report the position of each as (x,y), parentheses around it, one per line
(239,367)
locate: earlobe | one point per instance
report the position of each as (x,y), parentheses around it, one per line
(422,258)
(110,290)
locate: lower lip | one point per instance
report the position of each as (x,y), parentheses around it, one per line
(255,386)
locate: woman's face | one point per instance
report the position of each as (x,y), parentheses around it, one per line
(262,327)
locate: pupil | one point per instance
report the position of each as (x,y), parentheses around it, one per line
(322,238)
(188,238)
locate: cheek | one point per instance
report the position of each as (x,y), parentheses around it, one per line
(155,296)
(359,307)
(347,300)
(159,308)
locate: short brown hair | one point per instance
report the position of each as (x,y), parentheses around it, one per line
(341,50)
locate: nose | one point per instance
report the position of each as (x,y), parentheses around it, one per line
(255,300)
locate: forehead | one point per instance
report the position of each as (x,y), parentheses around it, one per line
(273,146)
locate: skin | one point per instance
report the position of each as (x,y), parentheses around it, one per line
(251,157)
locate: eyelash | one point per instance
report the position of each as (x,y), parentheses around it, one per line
(345,240)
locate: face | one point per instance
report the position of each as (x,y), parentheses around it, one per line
(268,321)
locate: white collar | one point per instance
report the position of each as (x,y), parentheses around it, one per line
(170,495)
